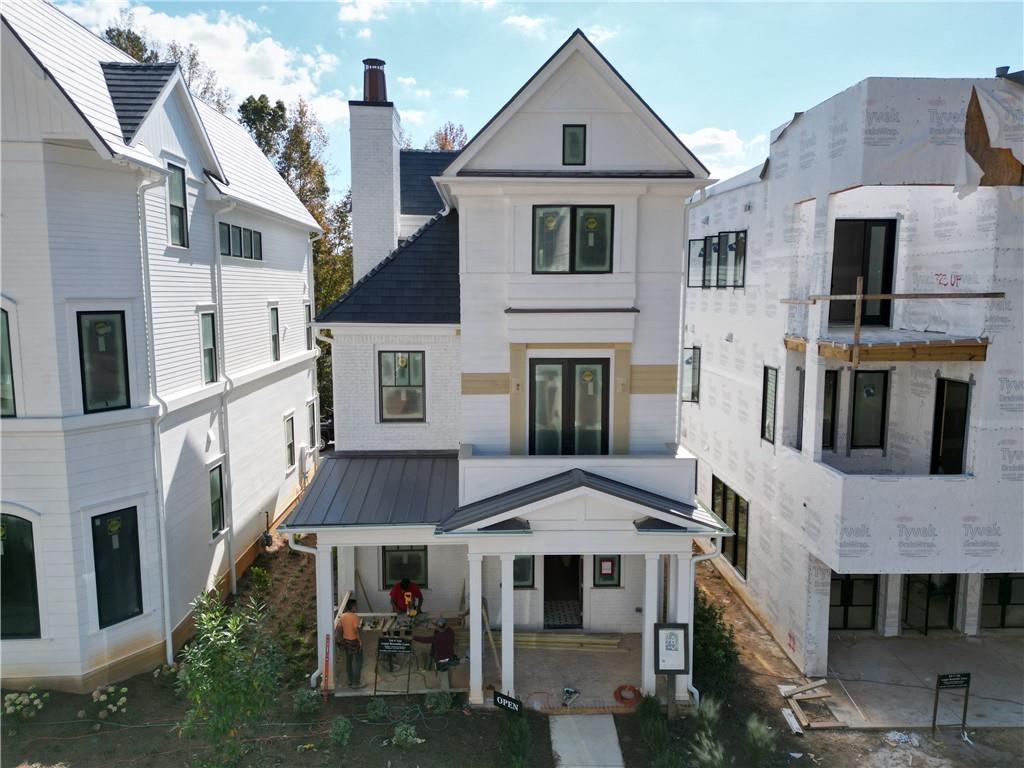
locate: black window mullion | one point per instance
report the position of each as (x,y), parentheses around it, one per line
(568,409)
(572,239)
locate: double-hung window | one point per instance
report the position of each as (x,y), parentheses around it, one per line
(401,377)
(177,199)
(7,404)
(314,442)
(768,397)
(735,511)
(289,442)
(115,549)
(216,500)
(572,238)
(309,326)
(275,335)
(691,375)
(870,395)
(103,360)
(208,332)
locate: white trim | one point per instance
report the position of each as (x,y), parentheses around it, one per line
(289,415)
(138,376)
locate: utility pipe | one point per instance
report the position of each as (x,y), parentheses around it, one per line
(716,550)
(161,510)
(229,386)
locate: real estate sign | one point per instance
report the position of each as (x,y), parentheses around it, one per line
(671,649)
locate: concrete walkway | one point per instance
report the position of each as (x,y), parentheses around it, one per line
(890,681)
(585,741)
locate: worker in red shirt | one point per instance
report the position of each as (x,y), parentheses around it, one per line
(406,597)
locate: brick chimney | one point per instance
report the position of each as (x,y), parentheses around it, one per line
(374,130)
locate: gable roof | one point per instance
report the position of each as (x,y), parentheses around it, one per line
(418,166)
(417,283)
(577,41)
(685,515)
(133,88)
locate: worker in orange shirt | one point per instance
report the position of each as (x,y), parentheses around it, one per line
(352,643)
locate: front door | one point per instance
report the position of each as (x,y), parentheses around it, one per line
(569,407)
(929,600)
(563,591)
(863,248)
(949,431)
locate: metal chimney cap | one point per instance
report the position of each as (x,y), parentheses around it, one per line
(374,62)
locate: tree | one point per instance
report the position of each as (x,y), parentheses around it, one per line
(404,141)
(333,276)
(123,35)
(448,137)
(200,79)
(266,123)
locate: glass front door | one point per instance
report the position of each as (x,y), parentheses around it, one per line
(949,431)
(569,407)
(929,601)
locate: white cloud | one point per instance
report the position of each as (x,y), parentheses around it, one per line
(531,26)
(407,82)
(483,4)
(599,34)
(246,58)
(362,10)
(724,151)
(330,107)
(460,93)
(423,93)
(364,32)
(413,116)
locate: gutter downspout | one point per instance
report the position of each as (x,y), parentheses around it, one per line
(716,550)
(229,386)
(161,510)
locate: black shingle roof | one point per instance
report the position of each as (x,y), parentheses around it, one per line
(419,195)
(133,89)
(417,283)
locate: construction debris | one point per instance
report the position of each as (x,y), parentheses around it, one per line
(795,715)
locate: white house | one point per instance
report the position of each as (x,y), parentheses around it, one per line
(868,457)
(158,365)
(506,377)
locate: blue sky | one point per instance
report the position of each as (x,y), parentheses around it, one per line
(722,75)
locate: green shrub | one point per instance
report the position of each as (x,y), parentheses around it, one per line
(341,731)
(25,704)
(515,740)
(760,742)
(707,752)
(668,758)
(648,708)
(715,657)
(306,702)
(708,714)
(260,583)
(405,736)
(654,733)
(438,702)
(377,709)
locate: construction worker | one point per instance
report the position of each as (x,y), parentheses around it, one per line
(442,649)
(350,641)
(406,597)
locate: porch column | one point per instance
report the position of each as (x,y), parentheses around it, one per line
(324,611)
(508,649)
(347,576)
(683,609)
(647,680)
(892,603)
(476,644)
(672,600)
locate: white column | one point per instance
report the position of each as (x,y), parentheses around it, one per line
(683,609)
(672,601)
(647,681)
(476,640)
(324,611)
(508,649)
(893,605)
(347,576)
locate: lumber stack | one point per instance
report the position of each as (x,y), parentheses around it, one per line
(796,717)
(556,641)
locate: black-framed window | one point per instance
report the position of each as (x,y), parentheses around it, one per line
(217,499)
(289,441)
(522,572)
(257,245)
(246,243)
(236,241)
(769,394)
(735,511)
(607,571)
(870,398)
(695,264)
(828,409)
(177,201)
(690,385)
(19,595)
(8,406)
(569,406)
(718,261)
(275,334)
(309,326)
(571,239)
(399,563)
(863,248)
(224,237)
(314,441)
(103,361)
(1002,600)
(402,380)
(852,601)
(208,339)
(574,144)
(115,549)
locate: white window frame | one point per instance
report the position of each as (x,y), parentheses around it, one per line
(289,416)
(137,394)
(208,309)
(182,163)
(274,308)
(307,316)
(314,425)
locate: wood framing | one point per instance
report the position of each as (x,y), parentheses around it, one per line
(653,379)
(972,350)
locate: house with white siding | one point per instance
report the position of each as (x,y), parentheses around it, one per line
(505,374)
(159,383)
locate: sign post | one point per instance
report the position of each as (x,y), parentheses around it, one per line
(390,646)
(952,681)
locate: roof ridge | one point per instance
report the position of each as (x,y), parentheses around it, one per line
(384,262)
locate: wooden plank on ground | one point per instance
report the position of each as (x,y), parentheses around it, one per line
(806,687)
(811,696)
(795,706)
(794,726)
(825,724)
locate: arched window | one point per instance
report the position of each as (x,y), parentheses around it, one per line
(19,598)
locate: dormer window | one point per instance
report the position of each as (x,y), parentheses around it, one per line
(574,145)
(571,238)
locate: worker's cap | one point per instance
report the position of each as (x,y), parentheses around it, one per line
(441,622)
